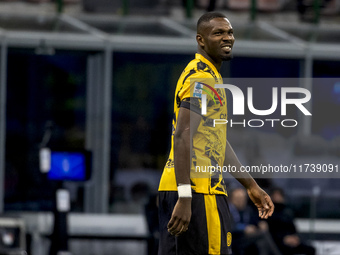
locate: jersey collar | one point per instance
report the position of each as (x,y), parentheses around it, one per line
(200,57)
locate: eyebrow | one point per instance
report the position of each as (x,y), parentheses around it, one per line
(222,29)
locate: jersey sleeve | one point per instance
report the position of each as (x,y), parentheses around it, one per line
(191,92)
(189,81)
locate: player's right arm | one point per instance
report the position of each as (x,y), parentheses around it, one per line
(187,124)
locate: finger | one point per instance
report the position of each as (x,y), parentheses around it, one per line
(186,227)
(173,226)
(266,214)
(263,214)
(176,228)
(269,211)
(171,222)
(265,203)
(271,205)
(265,208)
(260,212)
(180,231)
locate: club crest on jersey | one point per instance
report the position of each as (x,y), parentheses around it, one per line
(229,238)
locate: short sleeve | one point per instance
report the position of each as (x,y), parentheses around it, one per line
(190,80)
(191,92)
(188,83)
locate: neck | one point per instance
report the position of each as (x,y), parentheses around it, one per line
(204,54)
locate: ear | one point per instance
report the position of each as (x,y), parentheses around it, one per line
(200,40)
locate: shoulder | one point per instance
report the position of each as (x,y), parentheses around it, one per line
(198,65)
(196,69)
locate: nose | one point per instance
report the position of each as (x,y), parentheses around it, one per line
(228,37)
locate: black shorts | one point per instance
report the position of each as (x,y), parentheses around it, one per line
(209,228)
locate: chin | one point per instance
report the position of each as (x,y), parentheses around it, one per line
(227,57)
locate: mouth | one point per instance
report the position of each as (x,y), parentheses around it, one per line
(226,48)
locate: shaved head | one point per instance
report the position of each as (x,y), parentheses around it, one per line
(204,20)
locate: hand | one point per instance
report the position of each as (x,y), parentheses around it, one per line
(291,240)
(262,201)
(180,217)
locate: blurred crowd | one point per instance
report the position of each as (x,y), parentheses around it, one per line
(307,9)
(274,236)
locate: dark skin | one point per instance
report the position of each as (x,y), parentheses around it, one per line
(215,40)
(212,38)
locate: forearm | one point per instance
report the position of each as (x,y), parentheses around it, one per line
(186,128)
(182,157)
(181,214)
(243,177)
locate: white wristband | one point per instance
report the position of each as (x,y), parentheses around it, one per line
(184,190)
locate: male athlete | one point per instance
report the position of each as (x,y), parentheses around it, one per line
(193,211)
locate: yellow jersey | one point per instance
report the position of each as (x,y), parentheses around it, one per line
(209,142)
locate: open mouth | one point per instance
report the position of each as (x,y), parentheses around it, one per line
(226,48)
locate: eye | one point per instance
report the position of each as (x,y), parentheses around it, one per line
(218,33)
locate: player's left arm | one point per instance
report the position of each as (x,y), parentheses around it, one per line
(259,197)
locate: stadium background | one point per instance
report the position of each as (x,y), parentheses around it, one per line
(101,75)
